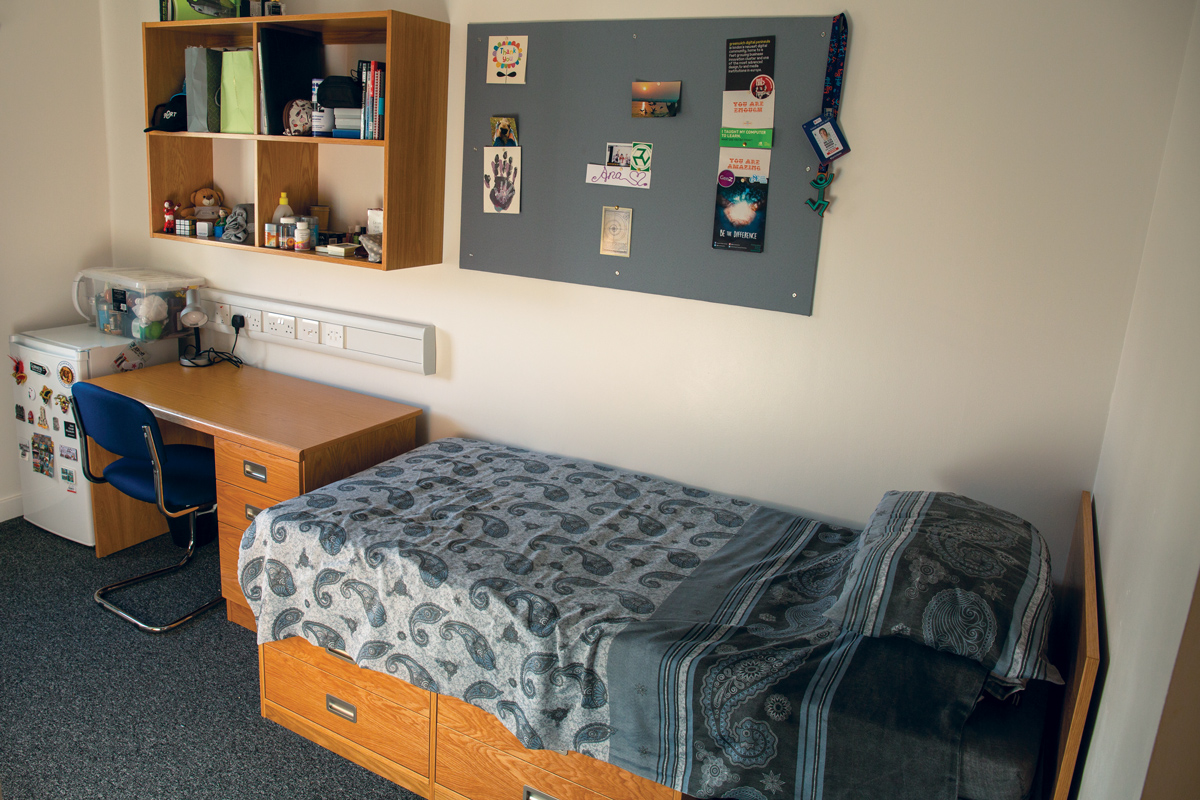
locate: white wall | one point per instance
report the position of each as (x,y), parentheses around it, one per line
(54,216)
(1149,473)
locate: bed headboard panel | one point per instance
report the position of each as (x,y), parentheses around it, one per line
(1079,637)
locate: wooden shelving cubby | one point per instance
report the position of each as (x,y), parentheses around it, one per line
(414,147)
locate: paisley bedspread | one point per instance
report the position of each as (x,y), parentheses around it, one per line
(673,632)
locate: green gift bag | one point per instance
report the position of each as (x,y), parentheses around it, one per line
(237,91)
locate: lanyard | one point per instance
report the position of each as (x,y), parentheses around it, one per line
(835,67)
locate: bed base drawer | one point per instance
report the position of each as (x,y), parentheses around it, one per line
(471,769)
(461,718)
(398,691)
(346,711)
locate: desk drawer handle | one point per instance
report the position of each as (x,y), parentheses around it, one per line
(252,512)
(341,708)
(534,794)
(256,471)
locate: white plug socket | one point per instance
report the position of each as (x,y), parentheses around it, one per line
(310,331)
(333,335)
(281,325)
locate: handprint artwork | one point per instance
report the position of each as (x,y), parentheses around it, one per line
(501,180)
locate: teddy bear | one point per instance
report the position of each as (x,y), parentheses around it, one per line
(206,204)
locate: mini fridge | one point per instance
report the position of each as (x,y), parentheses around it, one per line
(54,493)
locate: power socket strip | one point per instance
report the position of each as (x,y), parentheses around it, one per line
(281,325)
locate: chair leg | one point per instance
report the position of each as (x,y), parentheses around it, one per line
(191,549)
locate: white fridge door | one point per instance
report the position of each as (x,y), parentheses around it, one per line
(54,494)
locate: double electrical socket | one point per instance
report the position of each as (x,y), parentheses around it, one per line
(281,325)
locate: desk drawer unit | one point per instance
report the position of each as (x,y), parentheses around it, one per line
(458,719)
(237,507)
(340,710)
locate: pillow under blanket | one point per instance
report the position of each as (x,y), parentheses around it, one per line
(956,575)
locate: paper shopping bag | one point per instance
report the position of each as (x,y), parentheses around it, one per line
(237,91)
(202,76)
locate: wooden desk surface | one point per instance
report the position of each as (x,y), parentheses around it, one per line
(277,413)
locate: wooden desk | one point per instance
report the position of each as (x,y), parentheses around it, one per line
(275,437)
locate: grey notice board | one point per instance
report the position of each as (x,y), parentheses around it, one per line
(577,98)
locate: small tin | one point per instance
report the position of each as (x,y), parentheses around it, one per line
(270,235)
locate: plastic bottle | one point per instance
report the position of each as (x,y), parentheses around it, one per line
(303,236)
(287,233)
(282,210)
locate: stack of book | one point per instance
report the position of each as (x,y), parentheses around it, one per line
(347,122)
(372,74)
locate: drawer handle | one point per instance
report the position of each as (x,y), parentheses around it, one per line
(342,654)
(252,512)
(256,471)
(534,794)
(341,708)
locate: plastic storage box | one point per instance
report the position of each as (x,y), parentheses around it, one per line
(140,303)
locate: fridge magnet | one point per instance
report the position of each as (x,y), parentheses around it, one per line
(30,417)
(616,225)
(43,454)
(64,403)
(20,413)
(46,393)
(604,175)
(69,430)
(749,98)
(68,453)
(508,57)
(640,156)
(54,424)
(68,477)
(38,368)
(42,421)
(23,447)
(618,154)
(66,374)
(656,98)
(501,180)
(504,131)
(741,211)
(18,372)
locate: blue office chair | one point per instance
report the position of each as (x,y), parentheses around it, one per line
(179,478)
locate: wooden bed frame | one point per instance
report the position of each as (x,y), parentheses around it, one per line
(445,749)
(1077,635)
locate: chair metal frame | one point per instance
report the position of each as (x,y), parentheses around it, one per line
(100,595)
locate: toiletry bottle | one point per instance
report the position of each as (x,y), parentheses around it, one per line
(283,209)
(303,235)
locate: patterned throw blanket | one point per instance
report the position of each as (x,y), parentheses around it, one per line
(670,631)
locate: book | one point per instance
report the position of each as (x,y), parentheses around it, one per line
(364,67)
(289,62)
(370,106)
(344,133)
(380,78)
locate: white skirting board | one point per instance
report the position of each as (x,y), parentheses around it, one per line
(11,507)
(409,346)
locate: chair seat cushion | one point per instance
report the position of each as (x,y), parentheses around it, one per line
(190,477)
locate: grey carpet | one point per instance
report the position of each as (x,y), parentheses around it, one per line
(91,707)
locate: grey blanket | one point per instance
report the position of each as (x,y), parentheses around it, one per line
(670,631)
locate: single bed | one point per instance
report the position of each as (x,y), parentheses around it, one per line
(589,632)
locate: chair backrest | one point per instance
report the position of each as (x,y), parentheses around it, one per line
(115,422)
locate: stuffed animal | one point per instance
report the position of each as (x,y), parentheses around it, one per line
(206,204)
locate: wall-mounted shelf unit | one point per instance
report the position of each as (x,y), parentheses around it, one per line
(414,147)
